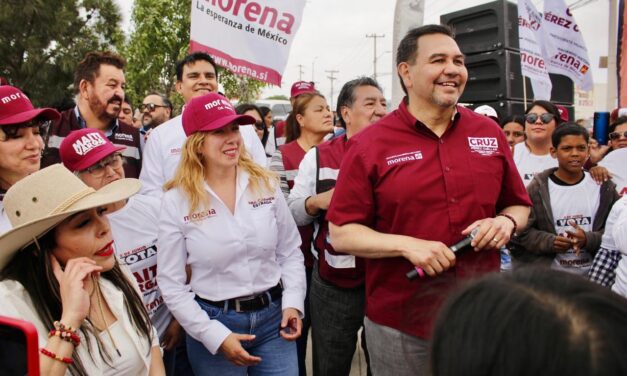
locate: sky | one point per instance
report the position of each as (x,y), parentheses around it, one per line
(332,36)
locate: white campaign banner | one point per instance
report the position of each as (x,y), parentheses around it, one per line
(531,41)
(248,37)
(571,57)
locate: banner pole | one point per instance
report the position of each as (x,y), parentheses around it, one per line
(524,80)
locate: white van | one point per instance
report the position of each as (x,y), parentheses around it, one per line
(280,108)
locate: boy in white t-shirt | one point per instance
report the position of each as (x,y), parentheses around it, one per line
(569,208)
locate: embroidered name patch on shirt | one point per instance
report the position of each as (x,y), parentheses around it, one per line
(123,136)
(175,151)
(199,216)
(260,202)
(405,157)
(483,145)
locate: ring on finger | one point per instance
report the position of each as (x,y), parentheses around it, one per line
(495,240)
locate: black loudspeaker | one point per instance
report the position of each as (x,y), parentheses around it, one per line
(486,27)
(509,107)
(496,75)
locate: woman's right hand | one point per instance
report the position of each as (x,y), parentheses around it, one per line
(74,283)
(235,353)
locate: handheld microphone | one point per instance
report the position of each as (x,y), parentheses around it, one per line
(465,242)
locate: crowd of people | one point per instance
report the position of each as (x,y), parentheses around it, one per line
(219,242)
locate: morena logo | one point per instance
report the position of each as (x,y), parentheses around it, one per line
(255,12)
(199,216)
(218,104)
(13,97)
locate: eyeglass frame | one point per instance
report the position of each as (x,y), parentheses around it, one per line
(260,125)
(542,117)
(151,106)
(624,134)
(98,169)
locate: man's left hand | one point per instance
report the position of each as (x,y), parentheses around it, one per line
(291,324)
(493,233)
(173,335)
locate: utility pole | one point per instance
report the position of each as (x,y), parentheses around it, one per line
(374,37)
(313,62)
(332,78)
(612,84)
(300,72)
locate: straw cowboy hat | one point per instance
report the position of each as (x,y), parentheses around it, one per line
(45,198)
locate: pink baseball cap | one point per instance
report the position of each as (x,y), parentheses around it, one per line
(301,87)
(84,147)
(210,112)
(563,112)
(16,108)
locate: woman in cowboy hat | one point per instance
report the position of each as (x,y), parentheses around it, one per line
(21,143)
(134,224)
(58,271)
(225,217)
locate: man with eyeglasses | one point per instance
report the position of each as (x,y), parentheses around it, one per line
(156,109)
(99,85)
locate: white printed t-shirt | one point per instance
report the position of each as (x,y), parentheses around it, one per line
(529,164)
(578,203)
(616,164)
(134,229)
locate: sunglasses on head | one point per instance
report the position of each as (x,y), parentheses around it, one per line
(260,125)
(544,118)
(616,135)
(150,106)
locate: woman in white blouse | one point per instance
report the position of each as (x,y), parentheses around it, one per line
(57,263)
(225,217)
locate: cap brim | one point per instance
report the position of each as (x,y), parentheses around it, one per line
(23,117)
(21,236)
(224,121)
(95,157)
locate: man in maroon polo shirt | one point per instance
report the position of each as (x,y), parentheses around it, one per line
(99,86)
(421,179)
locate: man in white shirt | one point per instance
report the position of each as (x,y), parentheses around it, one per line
(196,75)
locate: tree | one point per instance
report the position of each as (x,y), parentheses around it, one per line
(42,41)
(159,39)
(279,97)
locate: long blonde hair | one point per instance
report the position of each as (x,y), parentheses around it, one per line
(190,174)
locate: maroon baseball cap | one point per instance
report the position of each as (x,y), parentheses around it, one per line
(563,112)
(210,112)
(16,108)
(84,147)
(302,87)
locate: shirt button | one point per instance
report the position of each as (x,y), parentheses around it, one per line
(447,169)
(453,200)
(441,141)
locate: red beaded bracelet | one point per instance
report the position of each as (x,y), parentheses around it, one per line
(61,326)
(511,219)
(66,335)
(54,356)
